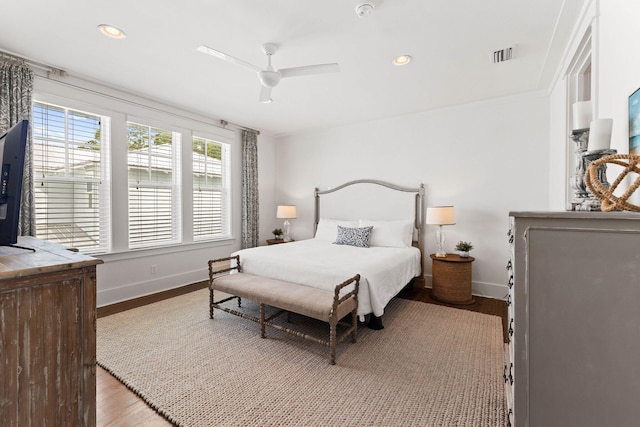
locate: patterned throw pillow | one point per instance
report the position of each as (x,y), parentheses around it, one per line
(354,236)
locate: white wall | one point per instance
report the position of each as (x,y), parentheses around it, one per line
(619,65)
(486,159)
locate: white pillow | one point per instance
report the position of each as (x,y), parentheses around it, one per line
(395,234)
(328,228)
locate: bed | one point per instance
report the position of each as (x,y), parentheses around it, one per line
(387,259)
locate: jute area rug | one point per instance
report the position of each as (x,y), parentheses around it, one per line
(430,366)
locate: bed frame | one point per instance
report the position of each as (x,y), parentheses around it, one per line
(419,219)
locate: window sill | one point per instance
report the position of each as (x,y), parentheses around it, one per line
(161,250)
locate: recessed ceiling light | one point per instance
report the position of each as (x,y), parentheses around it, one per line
(111,31)
(401,60)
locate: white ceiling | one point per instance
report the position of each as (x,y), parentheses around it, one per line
(451,41)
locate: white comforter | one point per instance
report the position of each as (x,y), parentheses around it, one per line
(384,271)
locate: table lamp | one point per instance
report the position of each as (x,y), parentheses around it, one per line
(441,215)
(286,212)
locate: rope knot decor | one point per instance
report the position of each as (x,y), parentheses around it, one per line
(608,200)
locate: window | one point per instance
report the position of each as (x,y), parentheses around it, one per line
(70,164)
(210,189)
(154,177)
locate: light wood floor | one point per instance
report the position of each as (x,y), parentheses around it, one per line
(118,406)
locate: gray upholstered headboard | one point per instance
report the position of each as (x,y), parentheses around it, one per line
(417,209)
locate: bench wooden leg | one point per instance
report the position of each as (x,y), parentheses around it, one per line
(210,303)
(354,325)
(332,341)
(262,335)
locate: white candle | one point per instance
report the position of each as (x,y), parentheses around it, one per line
(600,134)
(581,115)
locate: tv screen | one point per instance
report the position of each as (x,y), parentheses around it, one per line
(12,149)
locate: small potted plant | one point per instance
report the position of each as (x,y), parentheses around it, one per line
(463,248)
(277,233)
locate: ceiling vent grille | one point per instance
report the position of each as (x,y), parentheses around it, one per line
(503,55)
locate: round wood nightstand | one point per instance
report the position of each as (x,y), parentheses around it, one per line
(451,279)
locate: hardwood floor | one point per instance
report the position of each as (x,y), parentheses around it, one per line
(117,406)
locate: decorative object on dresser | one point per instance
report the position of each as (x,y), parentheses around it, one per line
(286,212)
(583,199)
(464,248)
(573,353)
(600,135)
(441,215)
(47,335)
(582,113)
(597,184)
(452,279)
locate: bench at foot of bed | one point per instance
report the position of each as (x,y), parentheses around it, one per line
(327,306)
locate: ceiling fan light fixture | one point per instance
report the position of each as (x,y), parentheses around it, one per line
(111,31)
(401,60)
(269,78)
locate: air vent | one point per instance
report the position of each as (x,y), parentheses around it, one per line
(503,55)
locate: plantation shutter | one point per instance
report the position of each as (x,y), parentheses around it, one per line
(70,149)
(211,196)
(154,202)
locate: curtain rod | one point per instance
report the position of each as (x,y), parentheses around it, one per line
(52,71)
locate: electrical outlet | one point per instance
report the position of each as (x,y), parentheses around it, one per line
(153,269)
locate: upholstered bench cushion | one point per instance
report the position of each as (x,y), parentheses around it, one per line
(305,300)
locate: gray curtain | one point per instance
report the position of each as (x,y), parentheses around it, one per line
(250,215)
(16,88)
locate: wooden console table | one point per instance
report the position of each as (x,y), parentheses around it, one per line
(47,335)
(451,279)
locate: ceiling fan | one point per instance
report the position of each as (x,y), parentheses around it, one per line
(269,78)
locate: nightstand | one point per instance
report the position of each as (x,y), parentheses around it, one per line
(451,277)
(277,241)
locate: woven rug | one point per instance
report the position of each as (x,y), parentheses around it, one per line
(430,366)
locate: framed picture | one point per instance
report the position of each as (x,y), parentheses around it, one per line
(634,123)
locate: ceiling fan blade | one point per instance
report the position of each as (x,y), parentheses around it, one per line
(265,94)
(229,58)
(310,69)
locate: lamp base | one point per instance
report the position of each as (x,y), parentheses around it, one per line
(440,237)
(285,226)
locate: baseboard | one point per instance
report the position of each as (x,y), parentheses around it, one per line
(149,299)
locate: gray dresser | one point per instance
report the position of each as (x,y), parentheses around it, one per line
(574,326)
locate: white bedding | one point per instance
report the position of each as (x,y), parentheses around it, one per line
(384,271)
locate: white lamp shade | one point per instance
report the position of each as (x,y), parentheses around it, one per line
(441,215)
(286,212)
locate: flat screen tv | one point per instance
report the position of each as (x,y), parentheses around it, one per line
(12,148)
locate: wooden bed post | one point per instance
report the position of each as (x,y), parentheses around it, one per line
(316,215)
